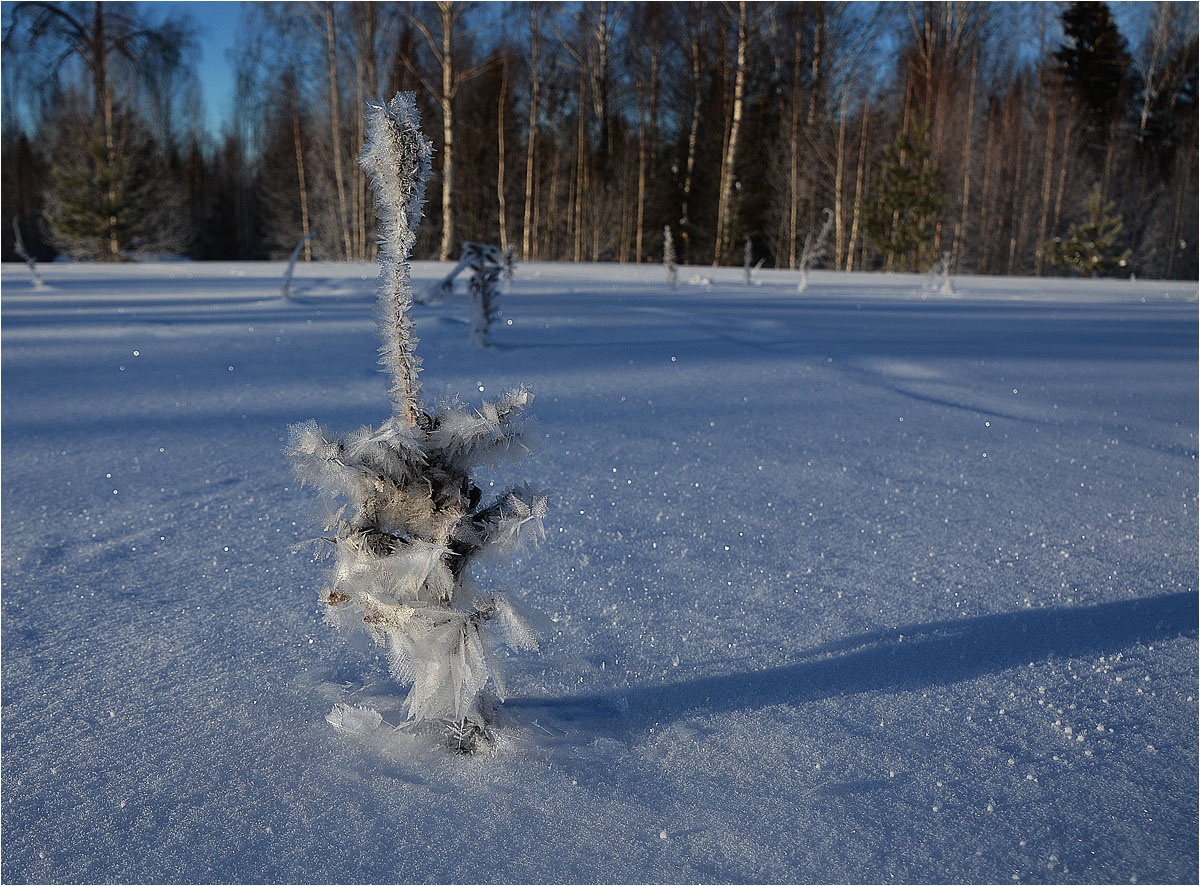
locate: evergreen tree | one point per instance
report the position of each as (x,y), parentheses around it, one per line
(1094,63)
(106,204)
(1091,247)
(902,222)
(113,49)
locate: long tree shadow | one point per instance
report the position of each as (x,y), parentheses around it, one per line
(933,654)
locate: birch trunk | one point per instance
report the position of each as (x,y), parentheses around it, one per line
(838,228)
(500,154)
(447,101)
(966,165)
(300,176)
(1047,178)
(794,154)
(685,223)
(527,228)
(725,206)
(858,187)
(334,117)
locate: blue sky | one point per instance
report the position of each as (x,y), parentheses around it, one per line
(216,32)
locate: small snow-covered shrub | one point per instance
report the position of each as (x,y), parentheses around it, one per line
(488,265)
(669,256)
(411,521)
(814,250)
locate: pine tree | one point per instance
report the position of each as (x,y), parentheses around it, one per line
(412,522)
(1091,247)
(902,222)
(108,204)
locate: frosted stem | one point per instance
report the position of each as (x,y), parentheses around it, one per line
(396,157)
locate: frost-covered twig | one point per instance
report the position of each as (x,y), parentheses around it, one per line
(939,276)
(814,250)
(669,256)
(488,265)
(23,253)
(412,521)
(747,257)
(287,277)
(397,158)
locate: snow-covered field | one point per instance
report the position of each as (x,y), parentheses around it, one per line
(863,584)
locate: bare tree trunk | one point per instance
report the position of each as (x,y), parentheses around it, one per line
(968,148)
(1161,25)
(358,195)
(1062,180)
(527,227)
(985,217)
(685,223)
(334,118)
(1047,178)
(300,176)
(725,206)
(858,187)
(641,194)
(580,166)
(816,88)
(103,104)
(447,101)
(500,153)
(794,154)
(1018,203)
(838,228)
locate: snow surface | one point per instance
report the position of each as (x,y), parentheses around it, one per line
(861,584)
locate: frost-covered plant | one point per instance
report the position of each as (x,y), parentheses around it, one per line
(814,250)
(411,521)
(939,276)
(669,256)
(488,264)
(484,288)
(23,254)
(747,257)
(287,277)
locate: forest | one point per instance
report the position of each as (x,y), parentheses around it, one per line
(1006,139)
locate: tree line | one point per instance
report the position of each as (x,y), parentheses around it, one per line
(999,138)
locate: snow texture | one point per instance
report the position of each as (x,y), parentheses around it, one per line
(862,585)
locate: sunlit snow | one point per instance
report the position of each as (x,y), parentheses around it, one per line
(865,583)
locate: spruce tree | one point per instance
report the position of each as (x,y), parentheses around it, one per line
(902,222)
(1094,63)
(1091,247)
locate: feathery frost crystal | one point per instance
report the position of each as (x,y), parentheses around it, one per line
(669,256)
(411,521)
(814,250)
